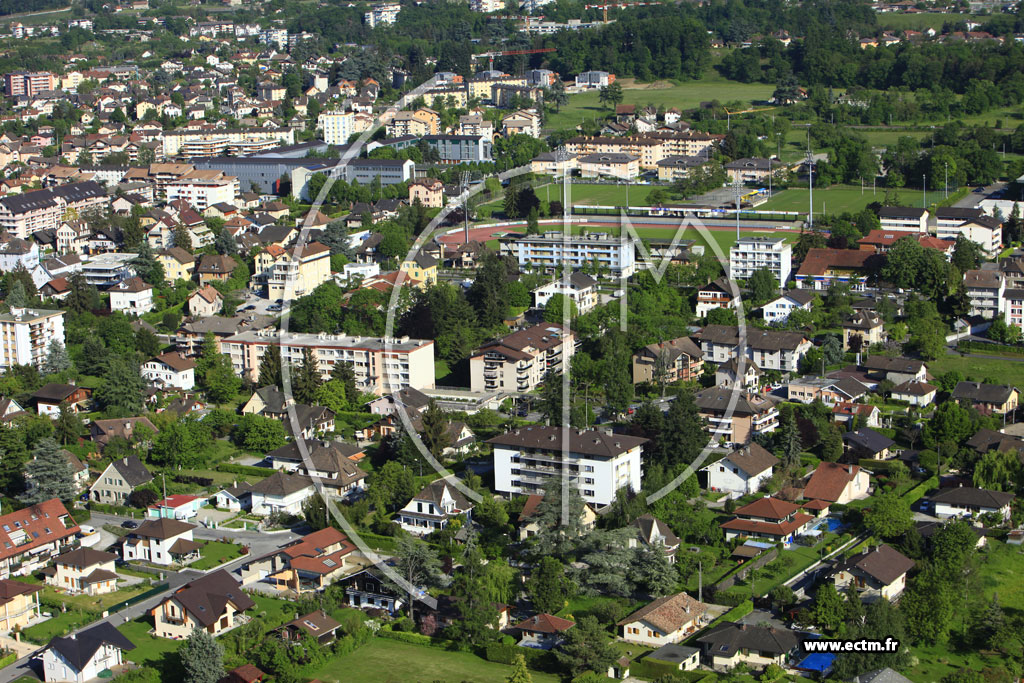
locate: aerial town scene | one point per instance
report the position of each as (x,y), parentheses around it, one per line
(511,341)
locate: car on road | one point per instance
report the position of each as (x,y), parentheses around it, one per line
(129,524)
(86,530)
(274,307)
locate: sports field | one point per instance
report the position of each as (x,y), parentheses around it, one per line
(685,95)
(839,199)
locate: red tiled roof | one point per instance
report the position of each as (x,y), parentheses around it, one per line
(829,480)
(768,508)
(34,526)
(545,623)
(818,261)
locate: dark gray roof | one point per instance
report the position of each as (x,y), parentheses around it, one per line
(885,675)
(588,442)
(80,648)
(980,392)
(883,562)
(133,471)
(901,212)
(728,637)
(281,484)
(206,597)
(675,654)
(434,492)
(868,440)
(753,459)
(972,497)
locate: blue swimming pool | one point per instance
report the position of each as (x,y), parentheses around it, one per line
(820,662)
(833,525)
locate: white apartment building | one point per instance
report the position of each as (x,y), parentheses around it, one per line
(985,289)
(581,289)
(1013,307)
(381,366)
(769,349)
(170,371)
(985,231)
(598,463)
(204,188)
(26,333)
(751,254)
(486,6)
(336,126)
(552,249)
(520,361)
(385,13)
(903,218)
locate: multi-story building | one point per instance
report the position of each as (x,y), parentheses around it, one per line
(486,6)
(433,508)
(1013,307)
(903,218)
(170,371)
(160,541)
(383,13)
(609,164)
(985,231)
(26,213)
(594,79)
(365,171)
(736,418)
(751,254)
(212,602)
(132,296)
(107,270)
(204,188)
(211,142)
(457,149)
(675,360)
(20,602)
(381,365)
(336,126)
(771,519)
(553,249)
(520,361)
(291,273)
(422,121)
(753,170)
(719,293)
(581,289)
(479,84)
(29,83)
(985,289)
(678,167)
(770,349)
(598,463)
(823,267)
(26,335)
(429,192)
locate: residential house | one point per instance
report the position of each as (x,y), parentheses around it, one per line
(161,541)
(730,644)
(85,655)
(966,501)
(743,471)
(204,302)
(370,589)
(281,493)
(211,602)
(729,374)
(823,267)
(529,524)
(433,508)
(985,290)
(178,264)
(83,570)
(679,657)
(213,267)
(987,399)
(772,519)
(49,397)
(290,273)
(170,371)
(833,482)
(915,393)
(736,418)
(896,370)
(845,412)
(235,498)
(421,270)
(877,572)
(102,431)
(316,625)
(581,289)
(132,296)
(308,563)
(20,603)
(778,310)
(825,389)
(664,621)
(720,293)
(770,349)
(543,631)
(862,329)
(866,443)
(675,360)
(520,361)
(654,533)
(32,536)
(331,464)
(429,192)
(118,480)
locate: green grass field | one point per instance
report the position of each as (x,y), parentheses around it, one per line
(1008,371)
(215,553)
(921,21)
(838,198)
(390,661)
(663,93)
(58,625)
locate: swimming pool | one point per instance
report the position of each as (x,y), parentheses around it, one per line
(820,662)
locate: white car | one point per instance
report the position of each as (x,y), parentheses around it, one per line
(86,530)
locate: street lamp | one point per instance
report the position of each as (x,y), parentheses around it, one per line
(924,191)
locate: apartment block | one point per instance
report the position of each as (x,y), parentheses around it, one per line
(736,419)
(985,289)
(26,334)
(203,188)
(384,13)
(211,142)
(286,274)
(420,122)
(381,365)
(29,83)
(336,126)
(551,249)
(903,218)
(520,361)
(598,463)
(985,231)
(26,213)
(751,254)
(457,149)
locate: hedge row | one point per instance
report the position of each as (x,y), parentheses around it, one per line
(916,493)
(119,510)
(538,660)
(247,470)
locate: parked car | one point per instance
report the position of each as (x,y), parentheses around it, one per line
(129,524)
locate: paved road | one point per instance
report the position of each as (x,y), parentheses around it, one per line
(260,543)
(973,197)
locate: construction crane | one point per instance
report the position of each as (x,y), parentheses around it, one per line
(509,53)
(604,7)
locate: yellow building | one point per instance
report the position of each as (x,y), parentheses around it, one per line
(287,274)
(19,602)
(210,602)
(421,122)
(422,268)
(178,264)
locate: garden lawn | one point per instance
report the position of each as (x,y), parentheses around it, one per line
(215,553)
(686,95)
(59,625)
(839,198)
(978,368)
(391,661)
(93,603)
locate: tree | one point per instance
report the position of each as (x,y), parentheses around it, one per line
(57,359)
(346,374)
(928,338)
(258,433)
(611,94)
(762,285)
(889,516)
(393,485)
(999,471)
(18,296)
(270,367)
(82,296)
(586,648)
(202,658)
(49,474)
(219,379)
(182,238)
(532,225)
(306,378)
(418,565)
(434,429)
(520,674)
(120,394)
(554,309)
(548,586)
(653,571)
(67,427)
(828,607)
(225,244)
